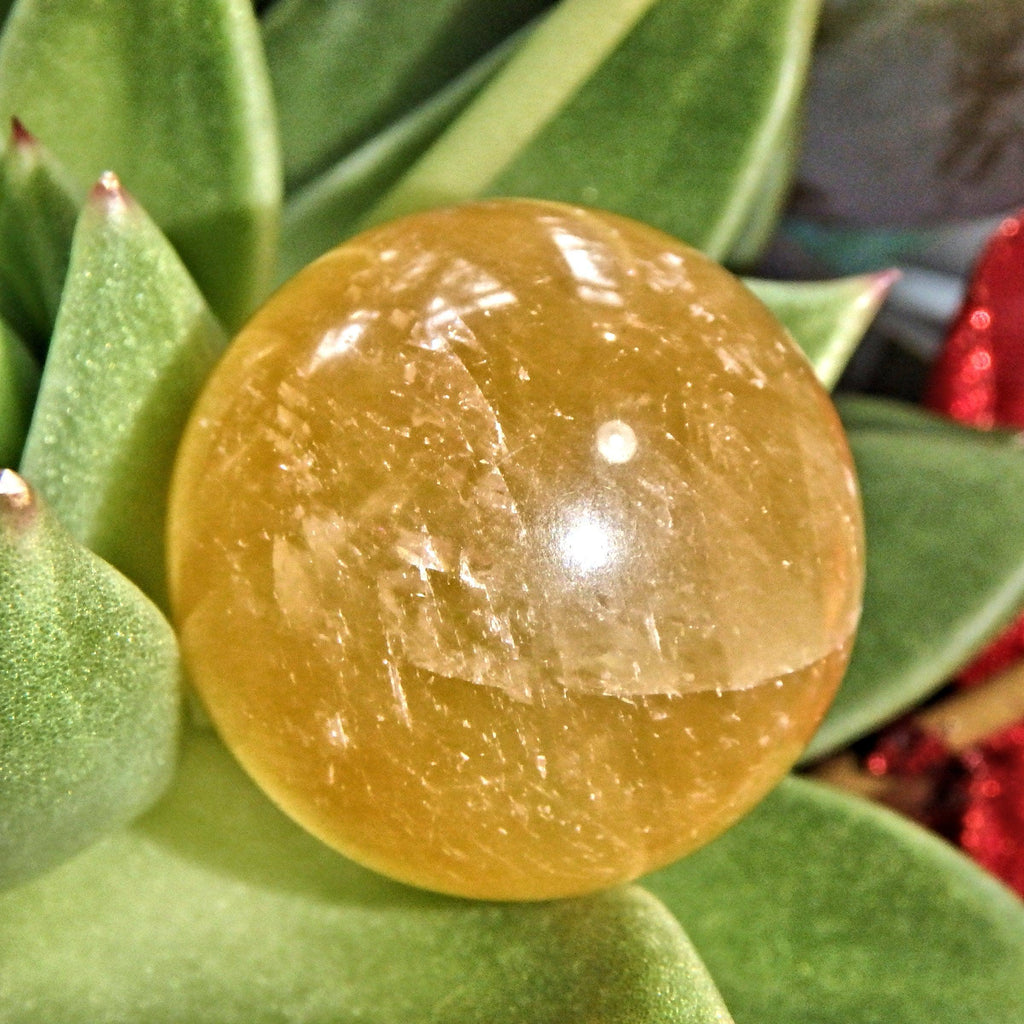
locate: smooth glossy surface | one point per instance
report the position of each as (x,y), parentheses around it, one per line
(515,550)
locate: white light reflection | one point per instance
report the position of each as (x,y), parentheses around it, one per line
(339,341)
(583,259)
(495,299)
(616,442)
(586,544)
(581,263)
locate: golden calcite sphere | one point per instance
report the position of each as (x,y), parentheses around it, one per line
(515,549)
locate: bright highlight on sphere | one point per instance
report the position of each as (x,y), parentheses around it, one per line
(616,441)
(515,550)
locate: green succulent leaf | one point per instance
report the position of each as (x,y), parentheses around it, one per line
(940,581)
(820,908)
(217,909)
(767,203)
(669,111)
(868,412)
(173,95)
(133,344)
(89,694)
(826,318)
(324,212)
(19,382)
(38,206)
(343,70)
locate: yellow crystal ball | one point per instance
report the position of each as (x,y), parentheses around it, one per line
(515,549)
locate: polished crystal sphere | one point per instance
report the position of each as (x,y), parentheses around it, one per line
(515,549)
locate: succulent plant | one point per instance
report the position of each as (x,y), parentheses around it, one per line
(169,162)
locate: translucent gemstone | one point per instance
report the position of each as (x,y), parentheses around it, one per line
(515,549)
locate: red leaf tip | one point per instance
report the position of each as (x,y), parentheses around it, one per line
(883,280)
(109,193)
(20,135)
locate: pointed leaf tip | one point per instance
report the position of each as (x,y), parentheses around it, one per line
(109,194)
(133,342)
(826,318)
(89,693)
(20,135)
(39,202)
(200,112)
(883,280)
(15,493)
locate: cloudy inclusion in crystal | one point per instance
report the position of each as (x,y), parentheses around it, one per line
(514,549)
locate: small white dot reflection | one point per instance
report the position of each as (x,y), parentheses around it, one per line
(616,442)
(586,543)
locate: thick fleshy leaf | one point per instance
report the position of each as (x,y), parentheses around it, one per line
(342,70)
(944,513)
(867,412)
(38,206)
(89,693)
(173,95)
(324,212)
(766,204)
(669,111)
(133,344)
(217,909)
(820,908)
(826,318)
(19,382)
